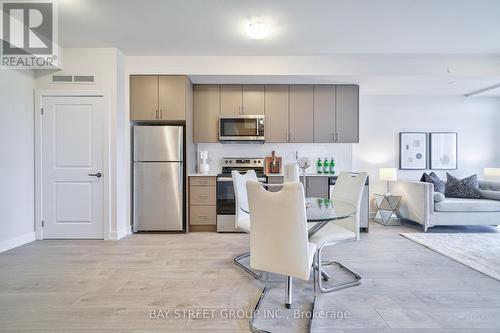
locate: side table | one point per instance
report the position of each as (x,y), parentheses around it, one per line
(387,205)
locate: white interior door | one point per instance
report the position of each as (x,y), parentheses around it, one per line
(72,167)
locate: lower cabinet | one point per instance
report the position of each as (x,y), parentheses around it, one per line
(202,203)
(317,186)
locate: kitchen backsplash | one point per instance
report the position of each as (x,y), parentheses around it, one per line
(342,153)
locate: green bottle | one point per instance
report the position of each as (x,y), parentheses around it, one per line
(332,166)
(319,166)
(326,166)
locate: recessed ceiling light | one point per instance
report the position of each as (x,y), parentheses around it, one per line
(257,29)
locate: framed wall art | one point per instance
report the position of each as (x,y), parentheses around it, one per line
(412,151)
(444,151)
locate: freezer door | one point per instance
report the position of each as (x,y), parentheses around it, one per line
(158,196)
(158,143)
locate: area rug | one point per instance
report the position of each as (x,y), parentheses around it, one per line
(477,251)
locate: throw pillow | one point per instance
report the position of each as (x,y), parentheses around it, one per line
(438,197)
(439,185)
(462,188)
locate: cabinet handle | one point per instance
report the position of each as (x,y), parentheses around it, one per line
(156,114)
(161,114)
(334,136)
(289,137)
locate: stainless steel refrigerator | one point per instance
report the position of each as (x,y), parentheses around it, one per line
(158,178)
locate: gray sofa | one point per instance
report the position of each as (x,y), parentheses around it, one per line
(418,205)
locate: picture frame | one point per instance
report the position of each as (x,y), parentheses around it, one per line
(444,150)
(413,151)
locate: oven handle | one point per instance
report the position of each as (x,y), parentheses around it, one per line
(230,179)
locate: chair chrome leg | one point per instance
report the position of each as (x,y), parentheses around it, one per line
(237,262)
(324,274)
(356,277)
(256,310)
(288,292)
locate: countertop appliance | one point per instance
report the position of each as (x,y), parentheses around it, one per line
(226,202)
(241,128)
(158,178)
(365,202)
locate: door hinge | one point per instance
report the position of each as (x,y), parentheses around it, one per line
(43,223)
(41,111)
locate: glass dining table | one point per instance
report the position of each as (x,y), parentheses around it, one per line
(319,212)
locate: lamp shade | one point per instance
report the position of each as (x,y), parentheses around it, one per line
(492,173)
(388,174)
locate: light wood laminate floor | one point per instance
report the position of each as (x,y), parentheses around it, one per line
(106,286)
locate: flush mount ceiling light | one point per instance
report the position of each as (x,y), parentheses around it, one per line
(257,29)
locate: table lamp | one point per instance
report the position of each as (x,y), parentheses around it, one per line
(492,173)
(388,174)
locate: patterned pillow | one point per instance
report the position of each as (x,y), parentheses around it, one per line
(439,185)
(462,188)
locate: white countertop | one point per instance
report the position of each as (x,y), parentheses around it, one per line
(320,174)
(202,175)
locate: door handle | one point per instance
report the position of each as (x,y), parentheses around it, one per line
(98,175)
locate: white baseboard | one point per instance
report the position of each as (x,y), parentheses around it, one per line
(18,241)
(123,232)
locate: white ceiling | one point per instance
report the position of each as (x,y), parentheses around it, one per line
(206,27)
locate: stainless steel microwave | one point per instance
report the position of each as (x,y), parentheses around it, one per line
(241,128)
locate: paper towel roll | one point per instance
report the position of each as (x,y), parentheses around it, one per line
(291,173)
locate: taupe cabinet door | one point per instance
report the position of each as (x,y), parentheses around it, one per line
(301,114)
(206,113)
(277,108)
(347,114)
(324,113)
(231,97)
(144,97)
(317,186)
(172,97)
(253,100)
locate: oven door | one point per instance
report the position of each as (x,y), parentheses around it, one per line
(226,200)
(241,128)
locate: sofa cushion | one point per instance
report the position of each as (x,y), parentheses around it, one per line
(467,205)
(438,197)
(433,178)
(462,188)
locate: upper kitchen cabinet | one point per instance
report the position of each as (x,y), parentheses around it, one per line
(154,97)
(347,114)
(242,100)
(324,113)
(172,97)
(144,97)
(206,113)
(253,100)
(231,99)
(277,107)
(301,114)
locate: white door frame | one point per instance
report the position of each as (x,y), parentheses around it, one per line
(39,95)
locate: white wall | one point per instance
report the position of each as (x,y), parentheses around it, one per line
(17,159)
(476,120)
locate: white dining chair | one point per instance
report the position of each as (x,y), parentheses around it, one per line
(278,238)
(242,219)
(348,188)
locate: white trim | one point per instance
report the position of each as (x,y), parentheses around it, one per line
(18,241)
(123,232)
(39,94)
